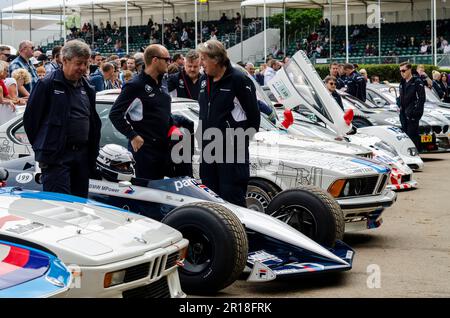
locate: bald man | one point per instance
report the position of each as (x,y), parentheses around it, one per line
(142,114)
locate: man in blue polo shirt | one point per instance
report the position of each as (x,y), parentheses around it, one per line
(26,49)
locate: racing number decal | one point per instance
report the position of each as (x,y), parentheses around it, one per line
(24,178)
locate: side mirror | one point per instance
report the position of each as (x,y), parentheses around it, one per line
(278,105)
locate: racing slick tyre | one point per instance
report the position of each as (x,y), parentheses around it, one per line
(311,211)
(218,246)
(361,121)
(259,194)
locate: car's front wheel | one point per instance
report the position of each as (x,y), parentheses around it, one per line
(218,246)
(311,211)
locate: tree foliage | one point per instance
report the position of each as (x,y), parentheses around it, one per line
(297,19)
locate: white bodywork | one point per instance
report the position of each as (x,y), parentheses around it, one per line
(93,241)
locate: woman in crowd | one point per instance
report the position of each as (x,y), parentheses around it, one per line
(444,85)
(4,94)
(22,78)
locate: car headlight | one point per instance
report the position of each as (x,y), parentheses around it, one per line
(114,278)
(413,151)
(335,189)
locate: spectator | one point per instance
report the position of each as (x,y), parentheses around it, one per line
(412,42)
(127,76)
(223,18)
(131,65)
(437,88)
(22,77)
(334,71)
(356,84)
(139,61)
(423,76)
(445,87)
(4,94)
(56,60)
(23,61)
(173,68)
(99,80)
(213,35)
(41,72)
(270,71)
(330,83)
(446,49)
(363,72)
(375,79)
(423,48)
(5,52)
(115,27)
(178,58)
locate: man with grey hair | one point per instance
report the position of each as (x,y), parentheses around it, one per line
(26,50)
(62,124)
(227,102)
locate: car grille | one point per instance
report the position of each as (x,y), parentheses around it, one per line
(151,270)
(368,155)
(172,260)
(136,272)
(382,183)
(406,178)
(158,289)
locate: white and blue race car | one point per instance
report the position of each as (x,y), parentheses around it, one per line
(27,272)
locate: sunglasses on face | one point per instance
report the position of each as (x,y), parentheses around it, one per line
(403,71)
(167,59)
(332,83)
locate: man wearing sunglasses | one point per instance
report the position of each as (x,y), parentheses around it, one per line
(26,50)
(331,83)
(142,114)
(411,101)
(5,52)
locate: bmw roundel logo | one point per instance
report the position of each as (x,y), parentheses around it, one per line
(148,88)
(203,84)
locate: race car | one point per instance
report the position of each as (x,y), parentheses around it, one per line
(278,163)
(110,252)
(384,97)
(27,272)
(223,238)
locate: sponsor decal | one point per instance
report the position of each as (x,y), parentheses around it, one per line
(105,188)
(23,228)
(293,268)
(263,257)
(130,190)
(260,272)
(24,178)
(374,166)
(148,88)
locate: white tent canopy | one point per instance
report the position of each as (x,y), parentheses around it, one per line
(21,21)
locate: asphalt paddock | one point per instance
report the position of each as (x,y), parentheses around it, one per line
(408,256)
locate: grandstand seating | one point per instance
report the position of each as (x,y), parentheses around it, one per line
(390,33)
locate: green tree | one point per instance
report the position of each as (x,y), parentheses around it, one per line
(298,19)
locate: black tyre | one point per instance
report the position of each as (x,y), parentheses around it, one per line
(218,246)
(311,211)
(259,194)
(361,121)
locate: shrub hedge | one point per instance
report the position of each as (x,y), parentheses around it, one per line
(386,72)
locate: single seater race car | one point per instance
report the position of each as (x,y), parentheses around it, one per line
(223,238)
(26,272)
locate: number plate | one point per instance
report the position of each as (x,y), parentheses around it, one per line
(426,138)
